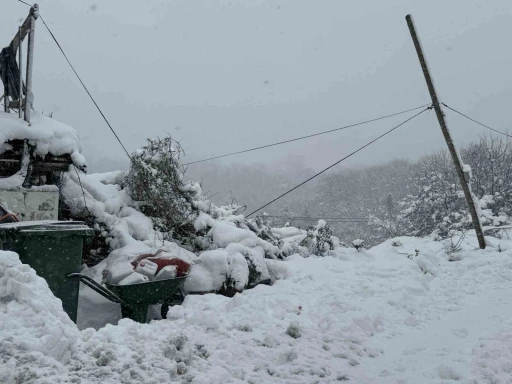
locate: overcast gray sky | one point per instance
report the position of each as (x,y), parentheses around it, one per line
(226,75)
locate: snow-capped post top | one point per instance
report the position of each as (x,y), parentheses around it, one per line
(358,244)
(35,11)
(468,174)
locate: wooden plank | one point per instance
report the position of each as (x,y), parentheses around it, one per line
(6,161)
(49,167)
(25,28)
(23,31)
(8,167)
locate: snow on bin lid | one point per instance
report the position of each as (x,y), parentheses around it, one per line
(47,225)
(24,224)
(47,135)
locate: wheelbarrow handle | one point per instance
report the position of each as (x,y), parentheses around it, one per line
(106,293)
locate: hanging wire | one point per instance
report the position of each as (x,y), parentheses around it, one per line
(339,161)
(307,137)
(333,219)
(81,82)
(83,191)
(477,122)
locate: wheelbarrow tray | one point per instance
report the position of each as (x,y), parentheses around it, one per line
(136,298)
(152,292)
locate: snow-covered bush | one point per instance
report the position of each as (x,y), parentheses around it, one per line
(491,165)
(319,239)
(156,183)
(358,244)
(316,240)
(232,250)
(439,206)
(153,208)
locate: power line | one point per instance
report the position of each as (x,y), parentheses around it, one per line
(320,218)
(225,155)
(81,82)
(330,219)
(306,137)
(339,161)
(474,121)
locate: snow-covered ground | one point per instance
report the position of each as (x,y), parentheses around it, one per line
(390,314)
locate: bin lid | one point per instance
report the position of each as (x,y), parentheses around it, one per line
(48,228)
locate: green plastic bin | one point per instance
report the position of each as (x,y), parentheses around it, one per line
(54,250)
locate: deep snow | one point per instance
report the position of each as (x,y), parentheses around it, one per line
(397,313)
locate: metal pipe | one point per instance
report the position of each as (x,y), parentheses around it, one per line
(106,293)
(20,65)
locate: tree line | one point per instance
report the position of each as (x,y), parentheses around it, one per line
(400,197)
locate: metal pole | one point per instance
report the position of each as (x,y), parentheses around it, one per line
(446,133)
(20,64)
(5,97)
(29,97)
(25,159)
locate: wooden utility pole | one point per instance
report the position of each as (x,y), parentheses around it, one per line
(457,162)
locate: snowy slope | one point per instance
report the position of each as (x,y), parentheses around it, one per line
(397,313)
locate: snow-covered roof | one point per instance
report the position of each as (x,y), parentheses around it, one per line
(47,135)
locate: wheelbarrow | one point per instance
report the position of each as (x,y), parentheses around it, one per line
(136,298)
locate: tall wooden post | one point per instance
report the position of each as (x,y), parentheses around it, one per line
(446,133)
(29,99)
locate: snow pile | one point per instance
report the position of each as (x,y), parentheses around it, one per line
(210,274)
(131,233)
(48,136)
(232,252)
(36,336)
(367,316)
(110,205)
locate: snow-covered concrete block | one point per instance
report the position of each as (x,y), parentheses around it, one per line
(32,205)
